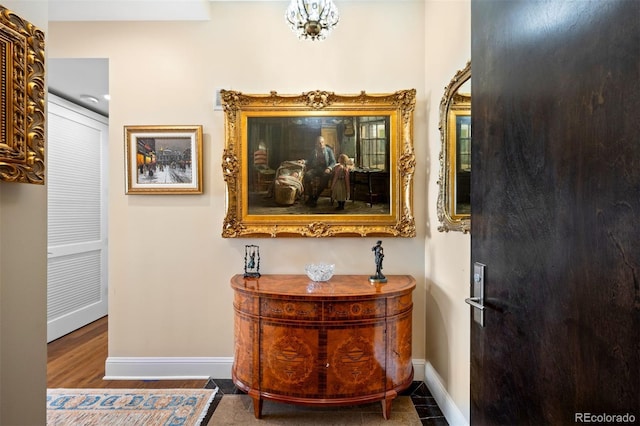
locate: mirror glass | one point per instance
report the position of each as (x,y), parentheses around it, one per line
(319,164)
(454,197)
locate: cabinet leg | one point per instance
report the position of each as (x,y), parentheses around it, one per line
(257,405)
(386,404)
(386,408)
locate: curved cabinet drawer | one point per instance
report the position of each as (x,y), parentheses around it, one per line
(354,310)
(290,309)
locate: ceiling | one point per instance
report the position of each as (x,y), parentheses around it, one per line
(82,81)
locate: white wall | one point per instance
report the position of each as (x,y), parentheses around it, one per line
(169,268)
(447,255)
(23,284)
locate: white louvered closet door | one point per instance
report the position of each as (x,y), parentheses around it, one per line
(77,224)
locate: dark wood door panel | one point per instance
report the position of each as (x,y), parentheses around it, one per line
(556,202)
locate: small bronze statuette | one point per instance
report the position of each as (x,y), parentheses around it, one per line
(378,252)
(251,261)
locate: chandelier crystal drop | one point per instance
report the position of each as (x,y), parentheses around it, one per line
(312,19)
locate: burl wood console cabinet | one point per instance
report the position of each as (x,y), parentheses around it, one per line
(342,342)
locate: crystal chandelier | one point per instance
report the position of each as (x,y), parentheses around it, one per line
(312,19)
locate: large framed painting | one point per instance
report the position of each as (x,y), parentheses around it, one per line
(318,164)
(22,109)
(163,159)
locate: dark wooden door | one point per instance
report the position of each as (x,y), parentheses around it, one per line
(556,210)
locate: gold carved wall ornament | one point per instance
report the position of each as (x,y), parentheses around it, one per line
(22,99)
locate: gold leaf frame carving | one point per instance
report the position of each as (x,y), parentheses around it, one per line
(22,109)
(452,104)
(239,108)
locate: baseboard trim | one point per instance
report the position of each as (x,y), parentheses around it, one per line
(448,407)
(167,368)
(176,368)
(418,369)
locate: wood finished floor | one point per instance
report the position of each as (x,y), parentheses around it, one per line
(77,361)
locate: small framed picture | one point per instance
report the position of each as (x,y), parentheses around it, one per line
(163,159)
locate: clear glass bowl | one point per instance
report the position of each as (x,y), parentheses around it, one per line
(319,272)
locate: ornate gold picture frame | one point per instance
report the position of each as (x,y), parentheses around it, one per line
(22,105)
(270,153)
(163,159)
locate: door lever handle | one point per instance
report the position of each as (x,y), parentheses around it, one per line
(477,291)
(476,302)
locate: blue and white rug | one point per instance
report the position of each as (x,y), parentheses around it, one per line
(131,407)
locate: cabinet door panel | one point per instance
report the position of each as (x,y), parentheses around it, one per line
(289,360)
(399,366)
(355,360)
(246,344)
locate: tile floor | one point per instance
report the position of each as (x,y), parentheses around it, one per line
(423,401)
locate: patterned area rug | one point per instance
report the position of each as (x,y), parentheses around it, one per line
(104,407)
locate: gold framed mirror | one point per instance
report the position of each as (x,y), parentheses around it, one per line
(454,196)
(285,154)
